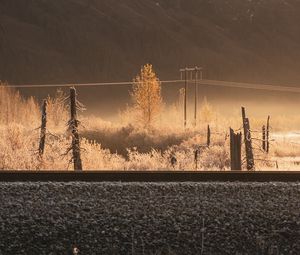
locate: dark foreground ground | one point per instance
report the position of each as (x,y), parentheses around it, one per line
(116,218)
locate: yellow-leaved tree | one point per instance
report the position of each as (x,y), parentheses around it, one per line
(146,95)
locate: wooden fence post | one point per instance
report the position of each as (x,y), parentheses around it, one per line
(196,157)
(43,129)
(267,134)
(264,138)
(235,150)
(74,128)
(248,141)
(208,135)
(232,150)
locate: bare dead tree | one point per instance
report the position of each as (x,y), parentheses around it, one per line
(73,125)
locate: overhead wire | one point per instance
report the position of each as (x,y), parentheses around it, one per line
(81,84)
(204,82)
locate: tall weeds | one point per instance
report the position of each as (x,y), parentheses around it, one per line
(123,145)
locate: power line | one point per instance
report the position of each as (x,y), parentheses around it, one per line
(249,86)
(205,82)
(81,84)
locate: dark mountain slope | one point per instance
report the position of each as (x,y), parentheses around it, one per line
(45,41)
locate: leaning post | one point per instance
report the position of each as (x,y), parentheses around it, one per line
(43,129)
(247,141)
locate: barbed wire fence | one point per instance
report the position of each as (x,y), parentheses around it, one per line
(257,142)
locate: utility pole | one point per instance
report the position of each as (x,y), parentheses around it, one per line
(196,96)
(185,93)
(185,71)
(189,72)
(196,70)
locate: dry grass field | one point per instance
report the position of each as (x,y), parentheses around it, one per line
(127,145)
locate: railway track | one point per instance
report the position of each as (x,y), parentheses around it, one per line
(150,176)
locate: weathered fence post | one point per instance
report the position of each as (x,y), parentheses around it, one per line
(264,138)
(74,129)
(235,150)
(208,136)
(267,134)
(43,129)
(196,157)
(248,141)
(232,150)
(173,160)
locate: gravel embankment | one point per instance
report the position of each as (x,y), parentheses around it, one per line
(115,218)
